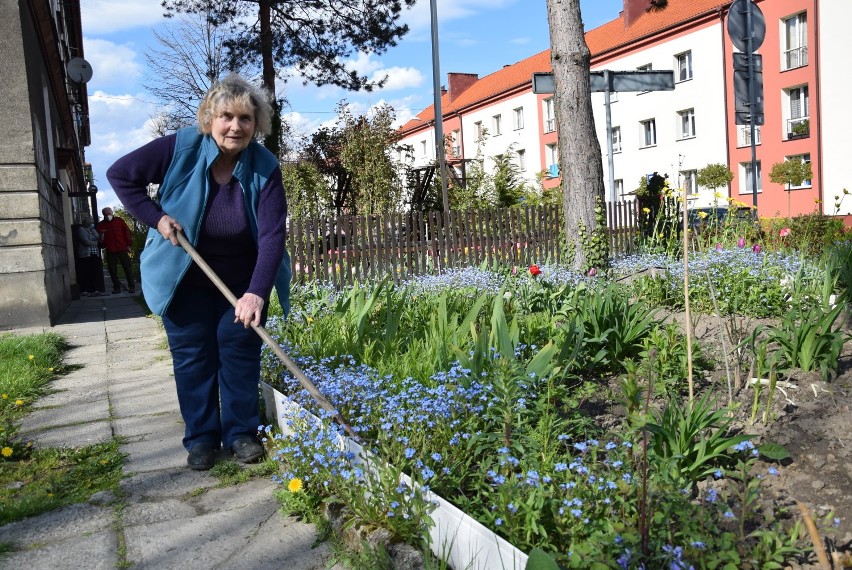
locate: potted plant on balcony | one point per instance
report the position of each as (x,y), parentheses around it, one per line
(800,129)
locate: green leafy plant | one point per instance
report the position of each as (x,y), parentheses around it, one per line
(806,340)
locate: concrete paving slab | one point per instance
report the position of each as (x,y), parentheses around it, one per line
(170,483)
(138,514)
(67,414)
(98,551)
(132,400)
(71,436)
(67,522)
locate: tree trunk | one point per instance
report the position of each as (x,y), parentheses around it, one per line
(579,151)
(273,139)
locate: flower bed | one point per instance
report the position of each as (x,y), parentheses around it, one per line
(482,397)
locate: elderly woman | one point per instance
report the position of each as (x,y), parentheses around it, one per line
(223,189)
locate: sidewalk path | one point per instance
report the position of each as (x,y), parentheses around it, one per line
(169,516)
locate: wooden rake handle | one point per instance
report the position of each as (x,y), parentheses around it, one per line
(266,337)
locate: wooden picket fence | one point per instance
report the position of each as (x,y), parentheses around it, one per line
(359,248)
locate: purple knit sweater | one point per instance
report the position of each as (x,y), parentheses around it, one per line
(225,241)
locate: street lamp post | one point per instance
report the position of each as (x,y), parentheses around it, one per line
(439,115)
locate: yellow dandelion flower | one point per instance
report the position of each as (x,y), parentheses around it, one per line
(702,215)
(310,320)
(19,402)
(646,210)
(50,369)
(32,357)
(5,396)
(718,194)
(295,485)
(6,451)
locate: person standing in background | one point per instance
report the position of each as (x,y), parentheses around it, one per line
(118,241)
(88,257)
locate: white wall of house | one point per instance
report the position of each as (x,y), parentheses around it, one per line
(673,153)
(836,84)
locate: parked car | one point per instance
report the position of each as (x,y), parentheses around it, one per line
(700,218)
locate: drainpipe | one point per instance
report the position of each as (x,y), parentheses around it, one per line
(818,90)
(725,95)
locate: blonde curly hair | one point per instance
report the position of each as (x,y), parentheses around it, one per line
(233,89)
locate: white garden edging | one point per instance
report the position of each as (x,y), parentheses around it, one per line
(461,541)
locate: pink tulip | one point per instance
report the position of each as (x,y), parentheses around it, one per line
(718,247)
(741,243)
(784,232)
(756,248)
(593,272)
(515,270)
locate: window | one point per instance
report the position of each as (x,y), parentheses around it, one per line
(646,67)
(497,125)
(619,188)
(518,118)
(806,159)
(746,178)
(798,125)
(683,66)
(686,124)
(552,155)
(477,130)
(744,136)
(549,116)
(649,133)
(522,159)
(423,148)
(795,42)
(455,136)
(690,181)
(616,139)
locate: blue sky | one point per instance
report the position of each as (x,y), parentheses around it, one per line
(475,36)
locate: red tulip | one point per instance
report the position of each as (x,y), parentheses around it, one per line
(534,270)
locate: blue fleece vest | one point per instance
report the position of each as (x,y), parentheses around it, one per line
(183,195)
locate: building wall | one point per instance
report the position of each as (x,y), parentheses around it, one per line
(35,278)
(835,118)
(704,93)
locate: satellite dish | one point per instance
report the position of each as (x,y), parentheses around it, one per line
(79,70)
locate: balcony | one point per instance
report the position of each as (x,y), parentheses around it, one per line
(744,136)
(456,150)
(798,128)
(796,57)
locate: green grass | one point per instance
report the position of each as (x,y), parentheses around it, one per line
(51,478)
(232,473)
(33,481)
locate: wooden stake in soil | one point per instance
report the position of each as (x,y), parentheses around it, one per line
(819,548)
(686,296)
(266,337)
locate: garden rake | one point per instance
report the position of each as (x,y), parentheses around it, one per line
(267,338)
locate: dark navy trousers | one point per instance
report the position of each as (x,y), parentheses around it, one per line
(216,365)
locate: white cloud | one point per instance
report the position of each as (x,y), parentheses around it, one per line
(399,78)
(419,18)
(113,65)
(108,16)
(520,41)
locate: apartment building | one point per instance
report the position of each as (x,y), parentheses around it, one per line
(43,183)
(675,132)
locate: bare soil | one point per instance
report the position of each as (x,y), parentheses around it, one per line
(812,419)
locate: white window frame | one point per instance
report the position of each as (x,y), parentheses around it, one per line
(522,158)
(518,118)
(549,115)
(690,181)
(686,124)
(794,41)
(616,139)
(423,148)
(745,178)
(552,155)
(497,125)
(455,137)
(648,133)
(806,157)
(798,106)
(619,188)
(477,130)
(683,66)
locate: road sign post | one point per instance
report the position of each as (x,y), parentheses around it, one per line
(747,30)
(607,81)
